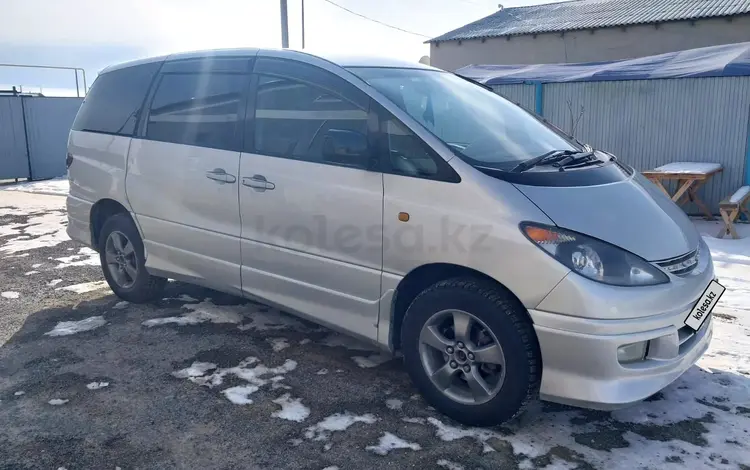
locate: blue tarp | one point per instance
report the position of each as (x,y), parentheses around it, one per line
(729,60)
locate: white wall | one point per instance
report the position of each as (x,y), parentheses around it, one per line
(585,46)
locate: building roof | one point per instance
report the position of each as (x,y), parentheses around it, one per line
(729,60)
(591,14)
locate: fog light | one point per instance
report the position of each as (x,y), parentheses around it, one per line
(632,352)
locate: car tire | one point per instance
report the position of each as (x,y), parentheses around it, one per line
(495,316)
(139,285)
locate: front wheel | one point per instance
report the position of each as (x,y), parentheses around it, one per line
(124,263)
(471,350)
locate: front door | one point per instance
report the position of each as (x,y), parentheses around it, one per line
(183,173)
(312,223)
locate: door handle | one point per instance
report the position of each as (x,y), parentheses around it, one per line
(221,176)
(258,183)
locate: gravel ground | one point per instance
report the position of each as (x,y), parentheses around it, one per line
(201,379)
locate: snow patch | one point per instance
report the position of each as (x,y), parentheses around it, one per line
(29,273)
(53,187)
(200,313)
(41,231)
(292,409)
(198,373)
(389,442)
(336,423)
(54,282)
(394,404)
(689,167)
(58,401)
(97,385)
(19,393)
(322,372)
(85,287)
(414,420)
(278,344)
(65,328)
(739,195)
(447,464)
(372,360)
(10,295)
(85,257)
(240,395)
(196,369)
(276,383)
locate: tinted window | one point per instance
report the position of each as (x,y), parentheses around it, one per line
(197,109)
(293,119)
(113,103)
(407,153)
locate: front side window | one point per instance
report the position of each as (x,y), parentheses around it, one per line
(201,109)
(480,126)
(113,104)
(297,120)
(407,154)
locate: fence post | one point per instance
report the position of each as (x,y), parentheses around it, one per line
(747,151)
(26,136)
(539,98)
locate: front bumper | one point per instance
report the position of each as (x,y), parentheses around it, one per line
(582,369)
(581,324)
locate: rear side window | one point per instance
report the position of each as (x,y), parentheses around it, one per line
(292,118)
(113,104)
(198,109)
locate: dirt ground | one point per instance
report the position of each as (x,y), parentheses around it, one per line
(201,379)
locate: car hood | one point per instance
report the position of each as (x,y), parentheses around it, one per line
(633,214)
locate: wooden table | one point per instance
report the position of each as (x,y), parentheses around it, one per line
(690,176)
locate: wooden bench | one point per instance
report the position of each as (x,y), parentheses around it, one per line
(731,207)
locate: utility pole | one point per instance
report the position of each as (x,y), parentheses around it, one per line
(284,26)
(303,24)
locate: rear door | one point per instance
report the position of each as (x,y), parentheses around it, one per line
(312,225)
(183,173)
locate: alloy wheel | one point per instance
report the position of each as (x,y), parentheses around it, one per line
(462,357)
(121,261)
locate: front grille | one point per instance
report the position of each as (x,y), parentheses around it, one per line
(681,265)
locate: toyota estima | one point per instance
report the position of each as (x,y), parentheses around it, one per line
(401,204)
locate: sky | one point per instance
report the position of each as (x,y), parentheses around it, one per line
(92,34)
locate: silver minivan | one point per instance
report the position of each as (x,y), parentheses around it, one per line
(401,204)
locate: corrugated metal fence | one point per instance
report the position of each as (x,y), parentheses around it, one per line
(34,135)
(648,123)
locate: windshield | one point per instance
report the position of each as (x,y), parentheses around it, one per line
(482,127)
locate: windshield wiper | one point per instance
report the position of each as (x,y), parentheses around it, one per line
(575,160)
(545,158)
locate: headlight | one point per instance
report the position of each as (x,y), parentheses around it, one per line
(594,259)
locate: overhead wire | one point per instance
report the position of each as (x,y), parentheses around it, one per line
(377,21)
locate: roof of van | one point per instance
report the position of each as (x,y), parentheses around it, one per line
(343,60)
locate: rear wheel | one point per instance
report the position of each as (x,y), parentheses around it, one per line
(471,350)
(124,263)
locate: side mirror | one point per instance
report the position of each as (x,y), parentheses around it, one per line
(345,147)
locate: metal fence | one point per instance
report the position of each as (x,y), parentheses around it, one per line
(34,135)
(648,123)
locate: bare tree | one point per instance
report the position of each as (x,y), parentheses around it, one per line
(574,120)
